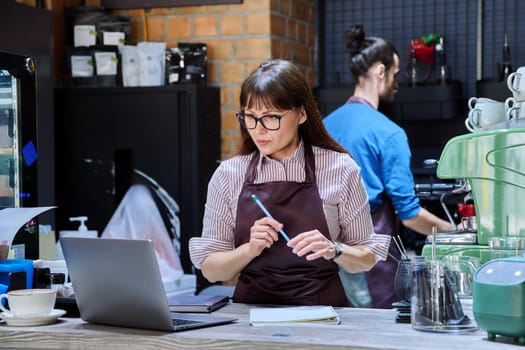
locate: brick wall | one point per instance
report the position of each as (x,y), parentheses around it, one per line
(239,37)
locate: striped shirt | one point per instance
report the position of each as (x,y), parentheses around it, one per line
(343,195)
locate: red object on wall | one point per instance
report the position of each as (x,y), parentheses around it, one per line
(423,52)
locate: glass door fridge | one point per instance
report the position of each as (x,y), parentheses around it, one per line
(18,152)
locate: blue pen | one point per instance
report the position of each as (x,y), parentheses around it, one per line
(263,208)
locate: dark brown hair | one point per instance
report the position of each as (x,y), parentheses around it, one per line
(366,51)
(280,84)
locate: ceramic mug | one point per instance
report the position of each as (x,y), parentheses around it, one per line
(471,127)
(485,112)
(473,101)
(514,109)
(29,302)
(516,84)
(511,102)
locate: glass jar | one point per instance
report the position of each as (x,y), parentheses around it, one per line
(57,283)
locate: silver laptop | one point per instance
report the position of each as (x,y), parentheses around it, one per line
(117,282)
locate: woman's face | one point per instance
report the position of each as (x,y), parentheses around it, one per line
(276,144)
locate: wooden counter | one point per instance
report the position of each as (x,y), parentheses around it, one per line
(360,329)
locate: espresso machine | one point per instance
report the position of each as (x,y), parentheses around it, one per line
(493,164)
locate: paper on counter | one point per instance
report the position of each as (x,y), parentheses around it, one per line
(292,314)
(12,219)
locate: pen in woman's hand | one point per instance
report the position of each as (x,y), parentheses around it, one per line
(263,208)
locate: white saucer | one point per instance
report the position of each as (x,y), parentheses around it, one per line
(32,320)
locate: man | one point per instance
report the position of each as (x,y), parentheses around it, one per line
(380,147)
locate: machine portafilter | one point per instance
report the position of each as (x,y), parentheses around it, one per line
(444,190)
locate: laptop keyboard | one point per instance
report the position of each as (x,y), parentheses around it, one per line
(180,322)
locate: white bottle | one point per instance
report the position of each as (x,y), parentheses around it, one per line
(81,232)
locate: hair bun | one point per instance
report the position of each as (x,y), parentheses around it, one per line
(355,39)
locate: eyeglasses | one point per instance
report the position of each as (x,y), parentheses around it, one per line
(270,122)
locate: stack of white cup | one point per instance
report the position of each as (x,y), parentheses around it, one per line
(485,114)
(515,105)
(488,114)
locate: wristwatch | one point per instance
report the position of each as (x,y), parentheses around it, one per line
(338,249)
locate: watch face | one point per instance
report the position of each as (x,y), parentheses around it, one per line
(338,250)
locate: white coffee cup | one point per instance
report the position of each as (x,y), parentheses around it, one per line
(514,109)
(484,113)
(471,127)
(473,101)
(29,302)
(516,84)
(516,112)
(510,102)
(475,128)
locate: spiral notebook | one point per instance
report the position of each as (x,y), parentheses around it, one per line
(117,282)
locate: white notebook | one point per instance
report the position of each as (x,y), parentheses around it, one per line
(279,315)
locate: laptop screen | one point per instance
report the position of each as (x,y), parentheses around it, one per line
(118,282)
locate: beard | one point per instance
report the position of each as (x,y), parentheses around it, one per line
(388,97)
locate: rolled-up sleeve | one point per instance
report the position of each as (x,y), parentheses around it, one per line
(397,176)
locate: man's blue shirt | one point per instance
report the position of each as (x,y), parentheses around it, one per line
(380,147)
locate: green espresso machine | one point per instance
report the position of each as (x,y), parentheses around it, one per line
(493,163)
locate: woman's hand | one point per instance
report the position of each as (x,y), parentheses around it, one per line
(263,234)
(313,243)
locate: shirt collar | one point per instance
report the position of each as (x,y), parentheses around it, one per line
(296,156)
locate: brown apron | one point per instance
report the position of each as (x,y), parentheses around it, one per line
(278,276)
(380,278)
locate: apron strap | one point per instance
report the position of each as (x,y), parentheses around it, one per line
(357,99)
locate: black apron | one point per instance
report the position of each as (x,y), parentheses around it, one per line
(278,276)
(380,278)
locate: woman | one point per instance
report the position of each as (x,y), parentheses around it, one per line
(307,182)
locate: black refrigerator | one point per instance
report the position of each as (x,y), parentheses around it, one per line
(18,145)
(26,115)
